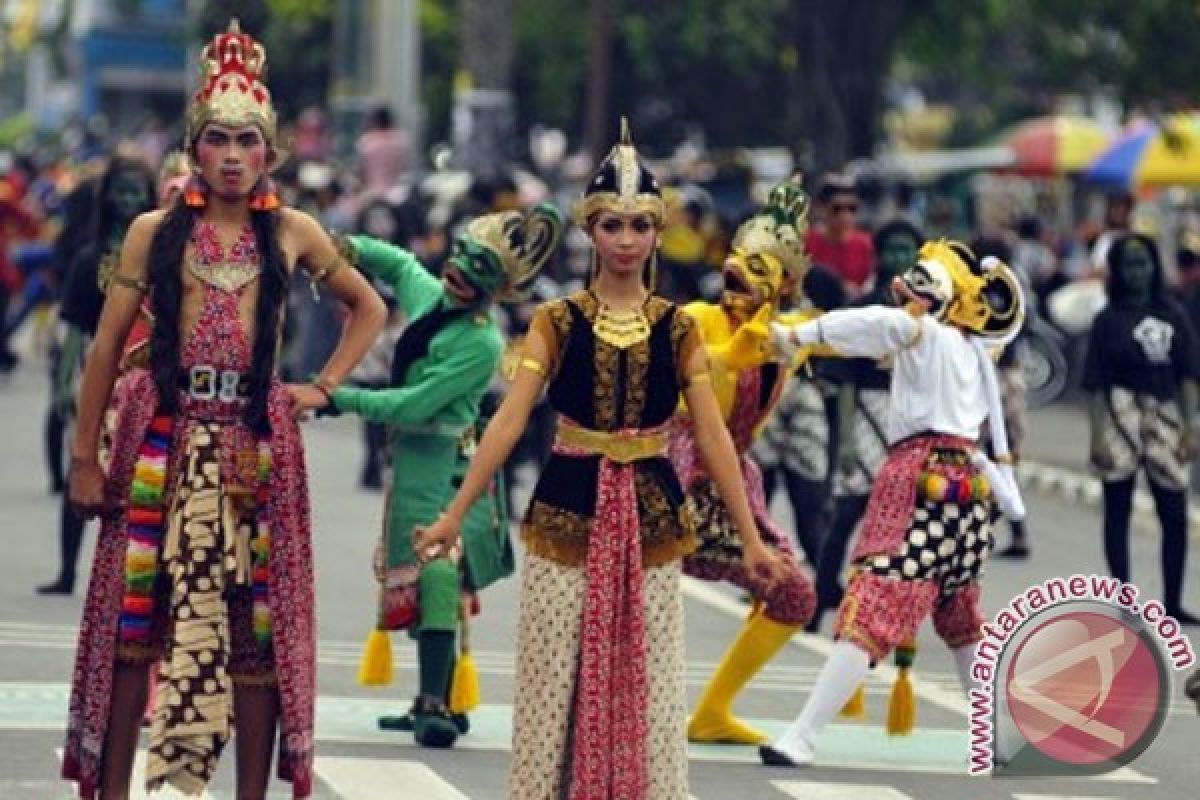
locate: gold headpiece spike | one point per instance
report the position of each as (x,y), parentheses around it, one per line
(235,26)
(626,138)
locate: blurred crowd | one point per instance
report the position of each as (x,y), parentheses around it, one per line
(64,209)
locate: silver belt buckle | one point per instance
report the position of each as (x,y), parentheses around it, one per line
(202,383)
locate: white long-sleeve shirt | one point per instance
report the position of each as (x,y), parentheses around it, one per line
(936,382)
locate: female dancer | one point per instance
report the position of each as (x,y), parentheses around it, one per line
(599,708)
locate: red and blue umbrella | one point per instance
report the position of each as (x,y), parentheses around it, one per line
(1152,154)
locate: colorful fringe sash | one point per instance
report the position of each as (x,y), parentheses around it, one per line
(146,519)
(145,526)
(610,731)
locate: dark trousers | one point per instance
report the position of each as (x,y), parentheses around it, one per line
(810,506)
(848,511)
(1171,507)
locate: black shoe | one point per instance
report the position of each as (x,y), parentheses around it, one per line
(58,587)
(402,723)
(773,758)
(432,723)
(1183,617)
(1018,551)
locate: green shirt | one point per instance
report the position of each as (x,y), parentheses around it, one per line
(444,387)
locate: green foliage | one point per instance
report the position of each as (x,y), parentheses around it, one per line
(552,52)
(998,60)
(301,10)
(438,20)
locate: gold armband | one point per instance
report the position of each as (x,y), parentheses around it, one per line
(699,377)
(534,366)
(129,283)
(108,273)
(328,271)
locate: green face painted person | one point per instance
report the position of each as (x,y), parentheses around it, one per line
(1136,273)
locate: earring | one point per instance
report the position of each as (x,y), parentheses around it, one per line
(264,196)
(652,274)
(195,192)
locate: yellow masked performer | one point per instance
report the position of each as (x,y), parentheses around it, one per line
(766,263)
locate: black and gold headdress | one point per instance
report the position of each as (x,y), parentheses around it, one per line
(622,185)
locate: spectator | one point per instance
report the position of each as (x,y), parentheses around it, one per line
(383,151)
(837,243)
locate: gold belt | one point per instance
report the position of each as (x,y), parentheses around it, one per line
(623,447)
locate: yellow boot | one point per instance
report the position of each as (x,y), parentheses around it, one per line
(757,643)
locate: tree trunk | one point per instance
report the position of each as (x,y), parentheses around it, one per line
(597,126)
(844,50)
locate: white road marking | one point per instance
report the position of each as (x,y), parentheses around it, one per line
(363,778)
(811,790)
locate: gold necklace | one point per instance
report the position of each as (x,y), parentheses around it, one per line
(621,329)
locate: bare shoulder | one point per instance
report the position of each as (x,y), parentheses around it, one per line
(135,249)
(145,224)
(300,225)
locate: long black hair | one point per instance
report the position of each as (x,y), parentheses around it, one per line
(104,214)
(1116,286)
(167,251)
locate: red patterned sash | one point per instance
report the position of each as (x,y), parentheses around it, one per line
(609,737)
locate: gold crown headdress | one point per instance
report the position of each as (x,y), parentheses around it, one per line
(621,184)
(232,68)
(502,253)
(776,234)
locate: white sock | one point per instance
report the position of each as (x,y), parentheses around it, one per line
(845,669)
(964,657)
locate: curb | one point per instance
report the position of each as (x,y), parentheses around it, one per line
(1079,487)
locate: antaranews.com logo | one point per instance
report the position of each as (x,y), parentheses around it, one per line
(1074,679)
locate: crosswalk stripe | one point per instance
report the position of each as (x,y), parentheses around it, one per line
(137,783)
(811,790)
(351,720)
(1027,796)
(359,778)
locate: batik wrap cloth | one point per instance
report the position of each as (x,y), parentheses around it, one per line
(917,555)
(610,724)
(289,581)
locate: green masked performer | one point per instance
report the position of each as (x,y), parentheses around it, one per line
(441,369)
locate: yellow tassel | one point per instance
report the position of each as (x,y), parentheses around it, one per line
(375,669)
(464,689)
(856,706)
(902,706)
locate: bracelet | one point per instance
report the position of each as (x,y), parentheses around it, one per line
(325,387)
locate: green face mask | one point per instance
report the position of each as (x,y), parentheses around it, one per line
(478,264)
(897,255)
(1137,271)
(128,197)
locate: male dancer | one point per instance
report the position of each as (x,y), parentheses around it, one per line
(766,261)
(204,561)
(927,530)
(441,369)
